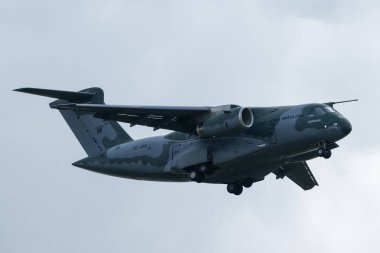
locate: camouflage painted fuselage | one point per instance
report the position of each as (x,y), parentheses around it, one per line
(279,135)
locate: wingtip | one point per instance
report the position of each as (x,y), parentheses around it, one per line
(24,89)
(19,89)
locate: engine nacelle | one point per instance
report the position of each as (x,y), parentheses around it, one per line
(225,123)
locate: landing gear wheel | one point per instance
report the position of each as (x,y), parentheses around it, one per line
(248,182)
(235,188)
(203,168)
(206,169)
(238,189)
(231,188)
(196,176)
(325,153)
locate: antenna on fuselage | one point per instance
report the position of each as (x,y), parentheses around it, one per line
(340,102)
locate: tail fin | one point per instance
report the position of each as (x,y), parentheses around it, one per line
(94,134)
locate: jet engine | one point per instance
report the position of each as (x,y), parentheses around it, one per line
(223,123)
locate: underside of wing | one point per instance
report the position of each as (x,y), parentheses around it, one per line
(177,118)
(299,173)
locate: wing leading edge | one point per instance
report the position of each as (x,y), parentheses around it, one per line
(177,118)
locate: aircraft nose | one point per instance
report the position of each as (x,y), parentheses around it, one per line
(346,127)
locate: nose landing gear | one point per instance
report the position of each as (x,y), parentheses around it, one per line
(324,152)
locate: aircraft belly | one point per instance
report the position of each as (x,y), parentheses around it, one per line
(221,152)
(256,167)
(144,159)
(138,169)
(230,151)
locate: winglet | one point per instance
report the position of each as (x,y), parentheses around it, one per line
(340,102)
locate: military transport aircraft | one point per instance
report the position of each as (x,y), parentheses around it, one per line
(227,144)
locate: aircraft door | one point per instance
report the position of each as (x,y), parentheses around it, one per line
(272,135)
(176,149)
(272,131)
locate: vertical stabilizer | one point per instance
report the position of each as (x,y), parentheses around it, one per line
(94,134)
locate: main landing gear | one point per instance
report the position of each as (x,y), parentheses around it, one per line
(237,187)
(197,176)
(324,152)
(198,173)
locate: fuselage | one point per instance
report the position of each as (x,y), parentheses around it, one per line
(277,136)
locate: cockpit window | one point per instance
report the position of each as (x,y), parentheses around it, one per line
(329,109)
(316,111)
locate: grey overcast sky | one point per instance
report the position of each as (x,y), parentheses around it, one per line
(257,53)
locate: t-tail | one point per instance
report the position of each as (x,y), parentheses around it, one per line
(94,134)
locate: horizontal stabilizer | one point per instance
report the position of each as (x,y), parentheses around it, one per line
(59,94)
(94,134)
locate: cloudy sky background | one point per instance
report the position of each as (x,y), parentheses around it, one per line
(255,53)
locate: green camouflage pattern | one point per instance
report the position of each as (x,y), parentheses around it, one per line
(279,137)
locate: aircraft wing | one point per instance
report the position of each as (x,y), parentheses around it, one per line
(177,118)
(299,173)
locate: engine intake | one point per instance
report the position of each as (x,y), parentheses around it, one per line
(223,123)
